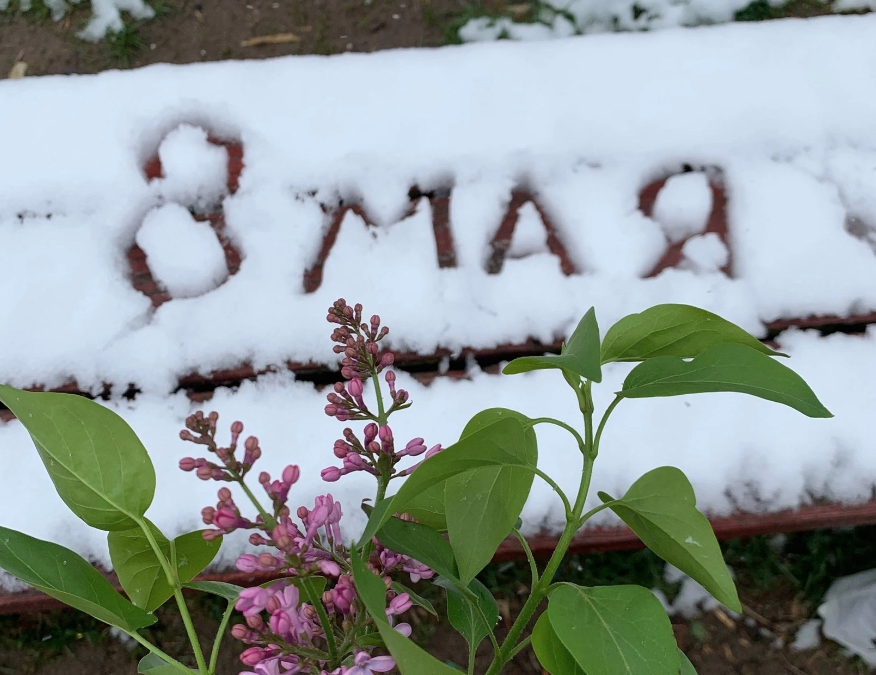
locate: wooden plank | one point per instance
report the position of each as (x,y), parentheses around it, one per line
(590,540)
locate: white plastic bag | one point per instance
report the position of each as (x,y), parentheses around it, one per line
(849,613)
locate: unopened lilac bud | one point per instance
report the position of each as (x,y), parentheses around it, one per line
(257,540)
(340,449)
(390,377)
(414,447)
(385,434)
(264,477)
(302,512)
(331,410)
(204,472)
(224,494)
(186,435)
(207,514)
(256,622)
(187,464)
(267,560)
(237,427)
(371,431)
(252,656)
(387,360)
(331,474)
(355,387)
(210,535)
(401,397)
(434,450)
(291,474)
(239,631)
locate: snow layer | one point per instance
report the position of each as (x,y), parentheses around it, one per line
(561,18)
(184,254)
(788,129)
(75,194)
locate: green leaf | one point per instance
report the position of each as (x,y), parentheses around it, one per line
(66,576)
(428,507)
(410,659)
(98,465)
(660,508)
(614,630)
(463,615)
(152,664)
(421,542)
(220,588)
(418,600)
(673,330)
(140,571)
(482,505)
(686,666)
(551,653)
(725,367)
(580,356)
(501,443)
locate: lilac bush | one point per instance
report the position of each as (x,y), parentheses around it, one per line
(335,605)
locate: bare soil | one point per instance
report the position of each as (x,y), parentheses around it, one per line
(189,31)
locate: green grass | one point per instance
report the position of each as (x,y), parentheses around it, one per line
(37,14)
(123,47)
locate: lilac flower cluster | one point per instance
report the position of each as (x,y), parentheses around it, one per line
(376,452)
(287,630)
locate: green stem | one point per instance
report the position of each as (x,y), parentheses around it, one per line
(268,520)
(471,660)
(327,627)
(540,589)
(381,413)
(520,647)
(214,655)
(592,512)
(160,654)
(533,568)
(608,411)
(173,582)
(562,495)
(562,425)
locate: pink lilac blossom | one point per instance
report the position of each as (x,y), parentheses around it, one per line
(286,634)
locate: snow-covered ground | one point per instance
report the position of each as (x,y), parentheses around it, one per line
(583,123)
(106,15)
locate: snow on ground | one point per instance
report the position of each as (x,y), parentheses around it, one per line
(106,15)
(787,129)
(562,18)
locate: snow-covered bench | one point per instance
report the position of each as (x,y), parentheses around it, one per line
(480,199)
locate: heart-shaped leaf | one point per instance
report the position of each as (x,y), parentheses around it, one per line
(416,599)
(686,666)
(219,588)
(660,508)
(428,507)
(463,615)
(501,443)
(420,542)
(614,630)
(410,659)
(98,465)
(482,505)
(552,654)
(140,572)
(66,576)
(724,367)
(580,356)
(672,330)
(152,664)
